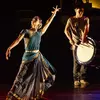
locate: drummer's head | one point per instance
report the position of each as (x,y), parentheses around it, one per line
(79,9)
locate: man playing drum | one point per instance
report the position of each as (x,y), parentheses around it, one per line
(76,30)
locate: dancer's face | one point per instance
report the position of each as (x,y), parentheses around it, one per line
(35,23)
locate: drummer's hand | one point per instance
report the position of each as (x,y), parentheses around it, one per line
(72,44)
(84,41)
(73,47)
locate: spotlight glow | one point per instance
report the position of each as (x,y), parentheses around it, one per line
(95,3)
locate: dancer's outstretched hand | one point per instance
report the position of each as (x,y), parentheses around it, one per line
(56,9)
(8,52)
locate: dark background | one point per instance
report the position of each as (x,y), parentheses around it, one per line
(16,15)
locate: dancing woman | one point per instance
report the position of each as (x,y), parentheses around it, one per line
(35,74)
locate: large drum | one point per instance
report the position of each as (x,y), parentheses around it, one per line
(87,53)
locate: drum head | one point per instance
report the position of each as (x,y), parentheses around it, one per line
(85,52)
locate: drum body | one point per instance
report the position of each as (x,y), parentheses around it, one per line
(88,53)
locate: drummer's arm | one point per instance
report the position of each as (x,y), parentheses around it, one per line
(67,33)
(86,31)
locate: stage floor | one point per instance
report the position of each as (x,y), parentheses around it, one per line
(92,92)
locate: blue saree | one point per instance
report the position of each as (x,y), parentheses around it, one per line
(36,74)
